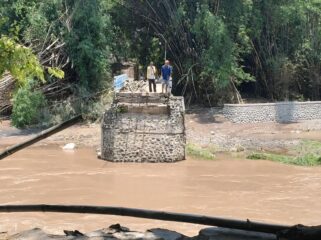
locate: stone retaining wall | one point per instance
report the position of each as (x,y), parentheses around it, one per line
(272,112)
(144,128)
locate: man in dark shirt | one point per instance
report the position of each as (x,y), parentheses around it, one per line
(166,75)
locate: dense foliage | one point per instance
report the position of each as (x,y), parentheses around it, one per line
(222,51)
(268,48)
(27,107)
(19,61)
(61,43)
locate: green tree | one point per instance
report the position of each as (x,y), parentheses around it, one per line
(220,47)
(19,61)
(88,42)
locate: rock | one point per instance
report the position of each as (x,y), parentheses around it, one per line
(117,227)
(301,232)
(103,234)
(33,234)
(118,232)
(75,233)
(135,86)
(240,149)
(135,236)
(167,234)
(69,146)
(233,149)
(215,233)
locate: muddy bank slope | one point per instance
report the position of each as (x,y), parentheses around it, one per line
(203,127)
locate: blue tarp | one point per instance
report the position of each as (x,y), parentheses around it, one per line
(119,81)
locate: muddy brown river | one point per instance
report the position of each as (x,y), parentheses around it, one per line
(234,188)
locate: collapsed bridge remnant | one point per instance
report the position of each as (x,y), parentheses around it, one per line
(144,127)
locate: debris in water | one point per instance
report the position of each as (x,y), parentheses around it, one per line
(69,146)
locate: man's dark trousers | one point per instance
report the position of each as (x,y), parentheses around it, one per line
(152,82)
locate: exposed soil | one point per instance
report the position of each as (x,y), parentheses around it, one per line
(203,128)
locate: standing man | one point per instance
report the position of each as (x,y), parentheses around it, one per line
(151,76)
(166,75)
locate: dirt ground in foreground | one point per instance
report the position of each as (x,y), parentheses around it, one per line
(202,128)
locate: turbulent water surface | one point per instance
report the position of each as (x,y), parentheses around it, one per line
(232,188)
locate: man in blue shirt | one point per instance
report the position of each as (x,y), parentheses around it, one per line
(166,75)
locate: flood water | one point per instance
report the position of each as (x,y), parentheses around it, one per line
(235,188)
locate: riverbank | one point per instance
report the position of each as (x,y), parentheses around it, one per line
(203,128)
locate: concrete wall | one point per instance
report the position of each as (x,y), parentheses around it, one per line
(144,128)
(272,112)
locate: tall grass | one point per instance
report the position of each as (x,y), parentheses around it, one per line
(308,153)
(199,152)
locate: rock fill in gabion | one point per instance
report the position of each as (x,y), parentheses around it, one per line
(144,127)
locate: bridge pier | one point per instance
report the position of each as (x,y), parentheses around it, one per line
(144,127)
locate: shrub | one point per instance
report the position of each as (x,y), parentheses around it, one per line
(304,160)
(199,152)
(27,107)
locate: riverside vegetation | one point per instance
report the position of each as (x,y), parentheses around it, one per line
(199,152)
(61,55)
(306,153)
(222,51)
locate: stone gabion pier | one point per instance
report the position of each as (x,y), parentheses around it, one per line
(144,127)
